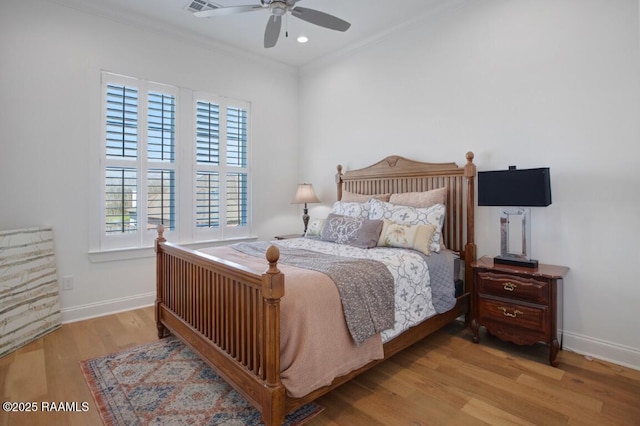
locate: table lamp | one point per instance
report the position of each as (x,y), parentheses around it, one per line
(518,190)
(304,195)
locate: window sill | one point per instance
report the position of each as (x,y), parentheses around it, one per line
(147,252)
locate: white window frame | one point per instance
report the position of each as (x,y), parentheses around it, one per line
(184,166)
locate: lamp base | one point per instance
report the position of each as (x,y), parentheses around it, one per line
(523,263)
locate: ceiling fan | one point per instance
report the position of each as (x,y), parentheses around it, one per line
(279,8)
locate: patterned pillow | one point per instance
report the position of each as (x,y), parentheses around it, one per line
(406,215)
(415,237)
(420,199)
(314,230)
(352,209)
(355,231)
(351,197)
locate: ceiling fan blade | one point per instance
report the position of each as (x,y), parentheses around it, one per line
(272,32)
(320,18)
(222,11)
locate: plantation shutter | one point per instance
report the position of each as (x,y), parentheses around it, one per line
(237,191)
(122,121)
(161,147)
(208,160)
(121,147)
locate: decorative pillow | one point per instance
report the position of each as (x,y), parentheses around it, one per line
(407,215)
(360,210)
(415,237)
(314,230)
(352,197)
(355,231)
(420,199)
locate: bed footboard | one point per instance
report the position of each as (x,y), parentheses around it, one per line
(227,314)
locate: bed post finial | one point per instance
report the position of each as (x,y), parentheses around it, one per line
(470,168)
(272,255)
(160,238)
(272,278)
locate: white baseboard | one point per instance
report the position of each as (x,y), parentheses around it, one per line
(601,349)
(107,307)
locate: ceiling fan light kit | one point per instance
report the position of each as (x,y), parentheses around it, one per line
(279,8)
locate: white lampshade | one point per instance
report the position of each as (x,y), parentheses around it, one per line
(305,194)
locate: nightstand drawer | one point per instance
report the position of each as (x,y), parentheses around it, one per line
(534,318)
(511,286)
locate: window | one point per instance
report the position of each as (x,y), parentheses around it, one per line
(146,158)
(221,168)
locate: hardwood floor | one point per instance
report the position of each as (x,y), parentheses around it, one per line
(443,380)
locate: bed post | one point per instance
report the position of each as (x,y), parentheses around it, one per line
(272,290)
(339,181)
(470,247)
(162,331)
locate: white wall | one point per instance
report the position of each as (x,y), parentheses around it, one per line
(51,58)
(527,83)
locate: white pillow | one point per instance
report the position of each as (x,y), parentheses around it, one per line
(360,210)
(315,228)
(406,215)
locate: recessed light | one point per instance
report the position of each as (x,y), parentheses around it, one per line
(303,39)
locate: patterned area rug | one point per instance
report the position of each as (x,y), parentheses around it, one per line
(165,383)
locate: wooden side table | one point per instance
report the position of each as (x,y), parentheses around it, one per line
(520,305)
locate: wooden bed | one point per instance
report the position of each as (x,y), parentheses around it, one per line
(230,316)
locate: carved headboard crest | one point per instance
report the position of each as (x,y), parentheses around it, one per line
(392,160)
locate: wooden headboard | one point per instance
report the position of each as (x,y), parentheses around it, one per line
(396,174)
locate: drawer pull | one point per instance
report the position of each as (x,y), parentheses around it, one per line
(509,286)
(510,314)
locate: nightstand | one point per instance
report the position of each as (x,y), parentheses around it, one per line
(287,236)
(519,305)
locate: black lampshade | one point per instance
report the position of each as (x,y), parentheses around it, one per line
(515,188)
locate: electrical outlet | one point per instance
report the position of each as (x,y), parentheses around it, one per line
(67,282)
